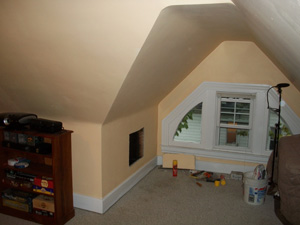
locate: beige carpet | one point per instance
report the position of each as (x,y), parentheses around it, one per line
(163,199)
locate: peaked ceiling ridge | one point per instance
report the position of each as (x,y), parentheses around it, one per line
(173,48)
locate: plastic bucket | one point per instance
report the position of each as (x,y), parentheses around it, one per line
(254,190)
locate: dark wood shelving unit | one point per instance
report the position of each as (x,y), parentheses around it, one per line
(57,165)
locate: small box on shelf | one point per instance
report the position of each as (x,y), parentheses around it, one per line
(43,190)
(44,202)
(17,199)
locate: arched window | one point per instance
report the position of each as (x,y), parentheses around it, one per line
(189,128)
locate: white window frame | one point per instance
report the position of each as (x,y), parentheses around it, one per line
(207,94)
(248,127)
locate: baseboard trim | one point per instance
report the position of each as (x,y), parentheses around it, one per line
(222,167)
(88,203)
(102,205)
(216,167)
(118,192)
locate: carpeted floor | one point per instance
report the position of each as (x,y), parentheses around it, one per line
(160,198)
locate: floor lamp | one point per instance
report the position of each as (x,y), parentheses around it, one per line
(277,128)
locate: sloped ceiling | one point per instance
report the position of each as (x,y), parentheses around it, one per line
(276,28)
(180,39)
(95,61)
(67,59)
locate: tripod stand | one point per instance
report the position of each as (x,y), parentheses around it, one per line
(277,134)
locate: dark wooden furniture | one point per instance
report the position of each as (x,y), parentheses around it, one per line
(56,165)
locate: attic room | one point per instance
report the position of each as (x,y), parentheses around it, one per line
(107,69)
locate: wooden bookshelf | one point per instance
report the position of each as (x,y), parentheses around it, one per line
(56,165)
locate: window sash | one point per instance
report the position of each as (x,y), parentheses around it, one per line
(234,122)
(236,117)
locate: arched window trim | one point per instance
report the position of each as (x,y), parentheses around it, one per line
(207,94)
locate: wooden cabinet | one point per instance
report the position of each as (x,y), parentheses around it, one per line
(49,159)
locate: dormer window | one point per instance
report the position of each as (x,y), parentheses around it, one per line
(226,121)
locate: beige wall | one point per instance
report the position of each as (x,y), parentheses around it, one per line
(100,153)
(232,62)
(115,147)
(86,158)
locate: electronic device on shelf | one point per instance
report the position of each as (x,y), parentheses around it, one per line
(16,120)
(44,125)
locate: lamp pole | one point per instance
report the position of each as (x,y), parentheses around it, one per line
(277,129)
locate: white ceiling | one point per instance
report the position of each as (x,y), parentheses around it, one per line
(95,61)
(276,27)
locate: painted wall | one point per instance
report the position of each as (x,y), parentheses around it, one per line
(115,147)
(86,158)
(232,62)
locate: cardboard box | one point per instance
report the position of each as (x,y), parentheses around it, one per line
(22,206)
(44,202)
(48,161)
(236,175)
(184,161)
(17,195)
(43,190)
(43,182)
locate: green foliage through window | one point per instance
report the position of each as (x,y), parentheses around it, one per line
(189,128)
(184,122)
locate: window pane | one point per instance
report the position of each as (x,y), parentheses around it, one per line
(227,107)
(227,118)
(189,129)
(234,137)
(234,111)
(242,119)
(284,129)
(242,107)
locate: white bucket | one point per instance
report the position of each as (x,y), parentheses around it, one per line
(254,190)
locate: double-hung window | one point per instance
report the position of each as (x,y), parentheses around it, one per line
(234,124)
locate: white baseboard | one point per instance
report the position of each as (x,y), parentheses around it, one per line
(88,203)
(159,160)
(118,192)
(216,167)
(102,205)
(221,167)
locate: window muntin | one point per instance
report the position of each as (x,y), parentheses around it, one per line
(189,128)
(234,121)
(235,111)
